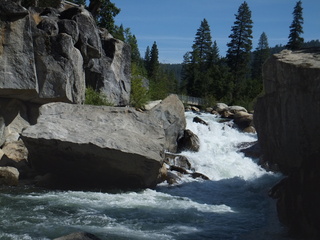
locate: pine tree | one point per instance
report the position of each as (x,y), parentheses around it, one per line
(295,40)
(198,62)
(135,54)
(203,43)
(153,67)
(238,54)
(261,54)
(215,53)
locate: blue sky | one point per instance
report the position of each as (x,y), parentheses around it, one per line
(174,23)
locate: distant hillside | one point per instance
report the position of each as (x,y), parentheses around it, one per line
(279,48)
(174,68)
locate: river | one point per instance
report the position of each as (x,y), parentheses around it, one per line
(233,204)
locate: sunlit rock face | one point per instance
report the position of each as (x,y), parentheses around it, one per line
(52,54)
(288,127)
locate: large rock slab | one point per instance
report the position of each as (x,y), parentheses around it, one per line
(96,146)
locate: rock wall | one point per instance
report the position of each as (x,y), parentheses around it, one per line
(288,127)
(50,55)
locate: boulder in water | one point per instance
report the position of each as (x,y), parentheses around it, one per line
(96,146)
(243,119)
(177,160)
(189,142)
(199,120)
(171,114)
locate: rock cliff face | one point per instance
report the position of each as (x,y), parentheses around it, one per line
(288,127)
(49,55)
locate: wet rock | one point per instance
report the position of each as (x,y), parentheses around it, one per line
(219,107)
(226,114)
(163,174)
(249,129)
(199,175)
(243,120)
(178,169)
(199,120)
(172,178)
(79,236)
(251,149)
(189,142)
(195,109)
(9,176)
(177,160)
(236,109)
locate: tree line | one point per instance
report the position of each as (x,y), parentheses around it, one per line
(234,79)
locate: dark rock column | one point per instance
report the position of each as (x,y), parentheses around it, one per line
(288,127)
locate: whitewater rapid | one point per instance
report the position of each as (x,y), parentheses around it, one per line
(233,204)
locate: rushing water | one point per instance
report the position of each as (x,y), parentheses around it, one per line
(232,205)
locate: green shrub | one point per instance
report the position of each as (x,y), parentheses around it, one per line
(95,98)
(139,94)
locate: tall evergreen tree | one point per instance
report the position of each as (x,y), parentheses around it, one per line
(238,54)
(135,54)
(295,40)
(254,85)
(202,46)
(215,53)
(147,56)
(154,62)
(198,62)
(260,55)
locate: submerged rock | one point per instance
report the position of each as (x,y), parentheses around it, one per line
(199,120)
